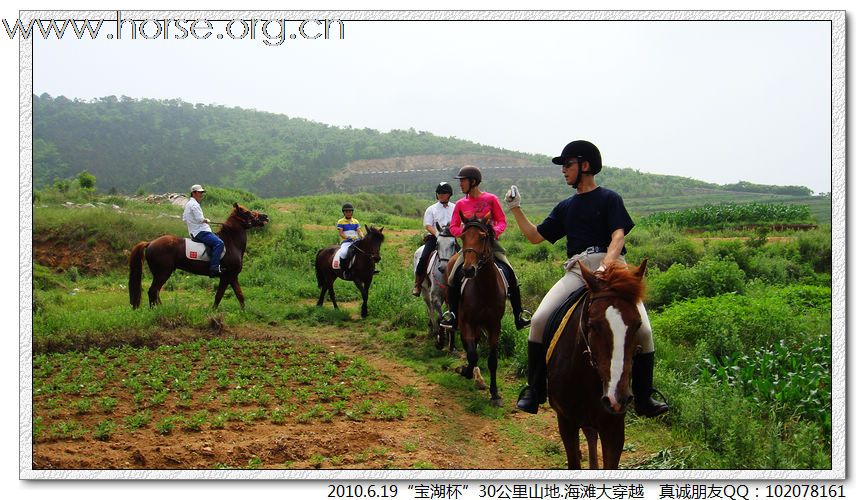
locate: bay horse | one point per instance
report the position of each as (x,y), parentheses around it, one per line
(482,302)
(167,253)
(434,286)
(589,368)
(366,256)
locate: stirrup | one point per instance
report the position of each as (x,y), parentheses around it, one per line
(523,319)
(448,320)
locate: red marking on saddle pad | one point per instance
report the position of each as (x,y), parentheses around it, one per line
(193,255)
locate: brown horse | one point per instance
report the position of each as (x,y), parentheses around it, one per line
(366,255)
(482,302)
(167,253)
(589,368)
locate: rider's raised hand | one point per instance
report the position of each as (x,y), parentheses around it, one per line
(512,198)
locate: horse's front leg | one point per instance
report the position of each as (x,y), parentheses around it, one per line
(235,285)
(592,443)
(364,293)
(612,442)
(569,433)
(220,291)
(492,364)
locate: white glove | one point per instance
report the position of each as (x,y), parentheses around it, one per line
(512,198)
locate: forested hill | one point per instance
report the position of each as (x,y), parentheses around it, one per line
(167,145)
(149,145)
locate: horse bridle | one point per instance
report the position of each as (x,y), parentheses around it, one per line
(591,298)
(364,252)
(482,259)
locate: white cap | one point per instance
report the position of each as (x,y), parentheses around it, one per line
(196,188)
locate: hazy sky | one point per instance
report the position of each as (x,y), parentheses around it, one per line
(720,101)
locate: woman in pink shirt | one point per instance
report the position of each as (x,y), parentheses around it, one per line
(478,204)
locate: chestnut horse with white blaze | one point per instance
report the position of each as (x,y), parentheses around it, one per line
(589,364)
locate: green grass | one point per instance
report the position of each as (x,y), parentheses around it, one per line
(177,357)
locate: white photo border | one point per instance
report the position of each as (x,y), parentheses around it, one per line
(839,268)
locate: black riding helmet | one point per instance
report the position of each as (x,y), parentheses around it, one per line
(347,206)
(469,172)
(444,188)
(583,151)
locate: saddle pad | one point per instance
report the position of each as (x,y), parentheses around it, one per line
(335,262)
(433,258)
(198,251)
(560,318)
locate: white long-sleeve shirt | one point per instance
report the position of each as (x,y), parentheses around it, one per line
(438,213)
(194,218)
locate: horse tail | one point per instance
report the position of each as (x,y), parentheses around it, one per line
(135,268)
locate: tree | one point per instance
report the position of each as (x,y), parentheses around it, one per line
(86,180)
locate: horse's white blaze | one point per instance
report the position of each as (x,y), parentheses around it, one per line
(617,358)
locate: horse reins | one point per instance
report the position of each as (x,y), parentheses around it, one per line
(482,259)
(592,297)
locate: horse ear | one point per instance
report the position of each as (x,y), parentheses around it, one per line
(235,204)
(366,227)
(641,271)
(488,217)
(463,218)
(589,277)
(438,227)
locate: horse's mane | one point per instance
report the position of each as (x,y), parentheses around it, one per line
(375,233)
(233,219)
(622,280)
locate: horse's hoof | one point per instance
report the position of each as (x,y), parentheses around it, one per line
(497,402)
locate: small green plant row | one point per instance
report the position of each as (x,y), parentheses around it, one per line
(795,381)
(71,429)
(710,216)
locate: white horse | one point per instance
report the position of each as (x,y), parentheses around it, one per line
(434,285)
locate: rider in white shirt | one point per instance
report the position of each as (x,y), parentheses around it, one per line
(439,212)
(199,228)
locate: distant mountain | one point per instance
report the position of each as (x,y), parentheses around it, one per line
(152,145)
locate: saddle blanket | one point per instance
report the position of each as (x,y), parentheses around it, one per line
(558,320)
(433,258)
(335,262)
(198,251)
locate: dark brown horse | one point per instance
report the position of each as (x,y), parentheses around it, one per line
(589,368)
(167,253)
(482,302)
(366,255)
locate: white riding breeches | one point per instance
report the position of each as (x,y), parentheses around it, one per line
(571,281)
(343,248)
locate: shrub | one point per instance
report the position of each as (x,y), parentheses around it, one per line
(815,250)
(708,278)
(727,324)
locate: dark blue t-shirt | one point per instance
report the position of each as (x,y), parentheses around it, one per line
(587,219)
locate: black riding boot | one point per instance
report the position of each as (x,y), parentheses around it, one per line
(449,318)
(535,393)
(642,373)
(522,318)
(346,272)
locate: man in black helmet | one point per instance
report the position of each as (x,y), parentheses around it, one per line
(439,213)
(594,221)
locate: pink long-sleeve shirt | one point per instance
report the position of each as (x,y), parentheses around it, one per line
(486,203)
